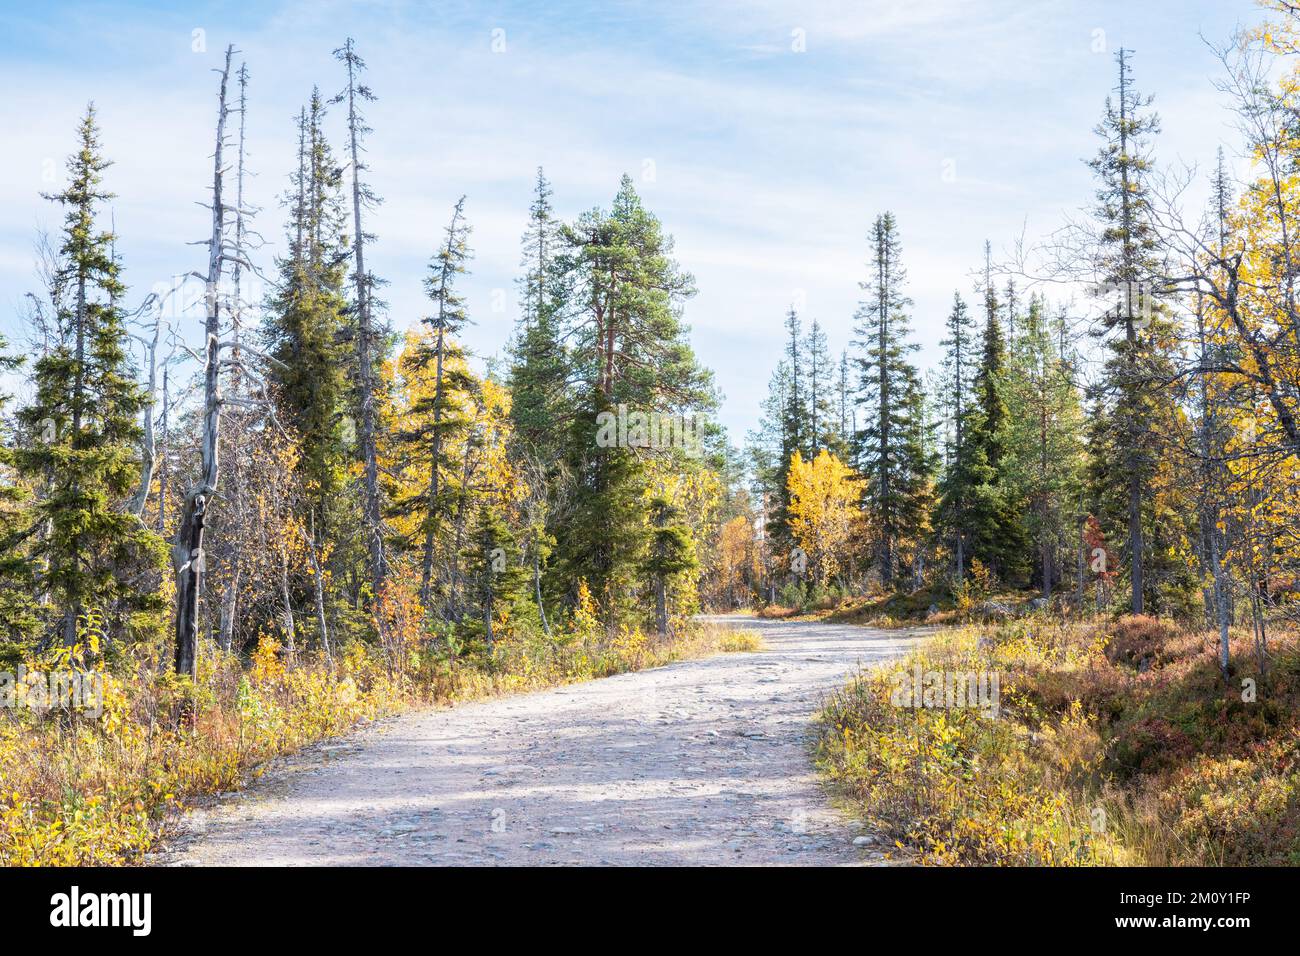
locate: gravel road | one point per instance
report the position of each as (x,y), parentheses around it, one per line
(702,762)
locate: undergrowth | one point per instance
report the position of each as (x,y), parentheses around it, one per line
(77,789)
(1116,742)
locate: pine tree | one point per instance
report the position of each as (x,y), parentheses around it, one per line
(1134,407)
(888,453)
(83,431)
(957,406)
(671,552)
(630,352)
(539,362)
(449,318)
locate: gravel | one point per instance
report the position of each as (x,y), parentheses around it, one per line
(701,762)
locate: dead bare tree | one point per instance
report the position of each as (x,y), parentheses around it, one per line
(187,552)
(362,197)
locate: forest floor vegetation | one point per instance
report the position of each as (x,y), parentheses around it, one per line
(1115,741)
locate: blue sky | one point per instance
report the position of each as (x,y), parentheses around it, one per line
(970,120)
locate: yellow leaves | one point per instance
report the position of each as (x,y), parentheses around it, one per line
(399,615)
(955,787)
(738,554)
(267,667)
(823,497)
(481,408)
(586,616)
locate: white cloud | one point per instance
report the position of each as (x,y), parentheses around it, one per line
(769,164)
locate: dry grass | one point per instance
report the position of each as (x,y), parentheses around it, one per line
(736,640)
(76,790)
(1117,742)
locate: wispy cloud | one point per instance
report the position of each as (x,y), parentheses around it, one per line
(765,151)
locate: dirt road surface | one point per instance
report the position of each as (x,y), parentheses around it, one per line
(701,762)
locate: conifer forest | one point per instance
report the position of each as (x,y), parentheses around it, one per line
(736,434)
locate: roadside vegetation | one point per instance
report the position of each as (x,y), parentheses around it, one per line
(1115,742)
(83,789)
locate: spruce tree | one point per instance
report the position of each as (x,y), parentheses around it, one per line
(996,535)
(83,430)
(888,452)
(449,317)
(956,403)
(821,412)
(1045,440)
(795,429)
(841,446)
(766,446)
(304,326)
(539,369)
(671,552)
(1136,411)
(19,610)
(494,567)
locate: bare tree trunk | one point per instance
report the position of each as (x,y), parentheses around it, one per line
(229,605)
(235,502)
(187,588)
(162,472)
(365,333)
(148,450)
(318,591)
(290,649)
(1209,497)
(537,586)
(187,554)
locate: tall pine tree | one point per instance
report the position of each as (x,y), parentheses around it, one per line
(889,452)
(83,431)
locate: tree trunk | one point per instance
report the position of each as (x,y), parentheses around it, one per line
(290,648)
(187,590)
(229,605)
(365,372)
(318,592)
(435,452)
(148,456)
(661,605)
(187,554)
(1082,565)
(537,586)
